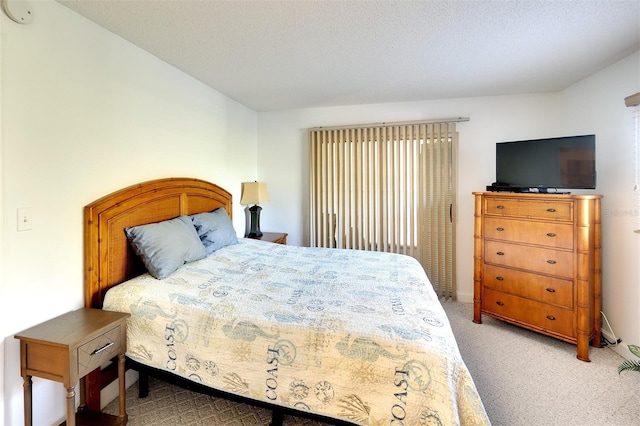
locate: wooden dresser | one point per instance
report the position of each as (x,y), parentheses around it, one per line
(537,264)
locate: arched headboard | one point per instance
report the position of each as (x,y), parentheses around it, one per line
(108,257)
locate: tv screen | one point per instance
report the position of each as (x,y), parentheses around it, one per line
(564,162)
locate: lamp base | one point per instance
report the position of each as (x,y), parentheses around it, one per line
(255,232)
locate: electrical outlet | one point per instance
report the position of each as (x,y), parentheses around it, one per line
(25,220)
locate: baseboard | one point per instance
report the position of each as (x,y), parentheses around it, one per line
(608,335)
(464,297)
(620,348)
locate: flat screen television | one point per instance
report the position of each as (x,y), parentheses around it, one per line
(546,165)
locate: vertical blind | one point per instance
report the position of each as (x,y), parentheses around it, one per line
(388,188)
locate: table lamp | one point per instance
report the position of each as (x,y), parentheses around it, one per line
(254,193)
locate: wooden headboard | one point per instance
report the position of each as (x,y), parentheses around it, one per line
(108,258)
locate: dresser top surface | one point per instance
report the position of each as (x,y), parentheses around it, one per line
(538,195)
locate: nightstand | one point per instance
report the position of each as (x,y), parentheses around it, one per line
(65,349)
(273,237)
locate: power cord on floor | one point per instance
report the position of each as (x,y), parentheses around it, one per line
(606,341)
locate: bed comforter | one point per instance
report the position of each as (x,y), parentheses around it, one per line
(358,336)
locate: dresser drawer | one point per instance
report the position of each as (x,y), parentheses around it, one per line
(528,312)
(531,286)
(99,351)
(526,208)
(550,234)
(535,259)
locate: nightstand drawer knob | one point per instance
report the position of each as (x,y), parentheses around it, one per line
(499,303)
(500,229)
(500,206)
(551,210)
(499,279)
(551,290)
(551,262)
(104,348)
(551,234)
(551,317)
(500,253)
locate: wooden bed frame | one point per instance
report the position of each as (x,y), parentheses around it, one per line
(109,260)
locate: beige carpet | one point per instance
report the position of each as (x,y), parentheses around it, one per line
(523,378)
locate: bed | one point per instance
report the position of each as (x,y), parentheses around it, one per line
(343,336)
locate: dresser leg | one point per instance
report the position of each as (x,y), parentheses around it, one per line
(477,311)
(71,406)
(583,346)
(28,419)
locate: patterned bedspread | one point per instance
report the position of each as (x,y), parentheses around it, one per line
(354,335)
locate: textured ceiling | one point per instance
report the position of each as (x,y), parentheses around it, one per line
(271,55)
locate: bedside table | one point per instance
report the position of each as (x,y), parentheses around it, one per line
(65,349)
(273,237)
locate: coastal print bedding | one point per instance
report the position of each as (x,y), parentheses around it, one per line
(354,335)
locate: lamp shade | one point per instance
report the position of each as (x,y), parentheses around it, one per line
(254,193)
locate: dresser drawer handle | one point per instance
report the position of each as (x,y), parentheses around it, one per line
(551,290)
(499,279)
(500,206)
(499,303)
(551,210)
(499,229)
(500,253)
(551,234)
(104,348)
(551,262)
(551,317)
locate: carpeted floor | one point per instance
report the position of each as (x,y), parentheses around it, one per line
(523,378)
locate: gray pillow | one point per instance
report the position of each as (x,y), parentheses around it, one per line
(215,229)
(167,245)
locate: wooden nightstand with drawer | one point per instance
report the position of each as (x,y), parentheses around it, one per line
(273,237)
(67,348)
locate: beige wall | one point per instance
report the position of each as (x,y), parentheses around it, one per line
(85,113)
